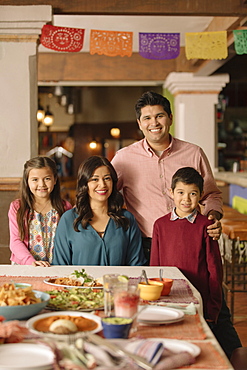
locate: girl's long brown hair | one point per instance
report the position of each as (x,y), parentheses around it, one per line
(115,200)
(27,197)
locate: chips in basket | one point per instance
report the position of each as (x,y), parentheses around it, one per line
(12,296)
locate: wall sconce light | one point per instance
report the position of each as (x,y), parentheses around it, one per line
(115,132)
(49,118)
(93,144)
(40,113)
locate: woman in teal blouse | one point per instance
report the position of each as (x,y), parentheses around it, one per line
(98,231)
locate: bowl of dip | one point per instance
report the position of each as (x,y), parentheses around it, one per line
(116,327)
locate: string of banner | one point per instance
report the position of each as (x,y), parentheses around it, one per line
(157,46)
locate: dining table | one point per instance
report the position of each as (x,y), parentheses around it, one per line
(193,328)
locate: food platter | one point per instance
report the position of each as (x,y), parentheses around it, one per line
(76,299)
(156,315)
(50,281)
(31,322)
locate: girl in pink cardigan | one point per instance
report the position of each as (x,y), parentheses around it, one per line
(33,218)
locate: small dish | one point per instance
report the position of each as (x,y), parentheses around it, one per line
(151,291)
(156,315)
(22,285)
(167,285)
(116,327)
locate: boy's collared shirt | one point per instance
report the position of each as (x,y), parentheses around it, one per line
(191,217)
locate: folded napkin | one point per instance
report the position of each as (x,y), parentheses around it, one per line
(150,350)
(189,309)
(153,351)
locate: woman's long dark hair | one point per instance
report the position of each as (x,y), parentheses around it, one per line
(115,200)
(27,197)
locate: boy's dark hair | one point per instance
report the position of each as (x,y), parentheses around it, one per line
(152,98)
(188,175)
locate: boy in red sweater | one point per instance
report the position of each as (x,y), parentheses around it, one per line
(180,239)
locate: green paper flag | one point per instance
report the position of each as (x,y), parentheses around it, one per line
(240,41)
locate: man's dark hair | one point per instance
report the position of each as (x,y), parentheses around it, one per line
(187,175)
(152,98)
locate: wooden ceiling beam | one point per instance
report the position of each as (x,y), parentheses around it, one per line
(140,7)
(85,67)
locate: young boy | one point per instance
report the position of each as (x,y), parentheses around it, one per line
(180,239)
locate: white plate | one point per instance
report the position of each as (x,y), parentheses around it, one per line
(156,315)
(46,281)
(24,356)
(30,323)
(177,346)
(173,345)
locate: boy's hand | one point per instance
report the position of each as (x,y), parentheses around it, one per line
(215,229)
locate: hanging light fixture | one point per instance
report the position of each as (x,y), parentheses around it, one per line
(49,118)
(70,108)
(40,113)
(58,91)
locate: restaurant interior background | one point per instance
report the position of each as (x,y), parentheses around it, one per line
(99,120)
(84,112)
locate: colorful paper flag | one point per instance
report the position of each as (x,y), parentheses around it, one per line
(62,38)
(111,43)
(206,45)
(240,41)
(159,46)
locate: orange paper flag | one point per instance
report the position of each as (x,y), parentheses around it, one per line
(111,43)
(206,45)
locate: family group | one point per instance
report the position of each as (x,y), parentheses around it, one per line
(156,203)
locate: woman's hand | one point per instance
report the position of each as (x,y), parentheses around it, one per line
(215,229)
(41,263)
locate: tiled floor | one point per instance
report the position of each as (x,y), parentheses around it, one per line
(240,316)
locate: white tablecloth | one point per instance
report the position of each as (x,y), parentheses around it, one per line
(99,271)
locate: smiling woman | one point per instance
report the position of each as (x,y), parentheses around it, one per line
(88,233)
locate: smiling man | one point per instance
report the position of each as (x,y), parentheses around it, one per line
(145,169)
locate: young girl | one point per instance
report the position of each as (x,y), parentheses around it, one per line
(34,217)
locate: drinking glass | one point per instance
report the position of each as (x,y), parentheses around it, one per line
(126,300)
(111,282)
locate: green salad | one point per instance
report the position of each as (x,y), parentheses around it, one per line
(76,299)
